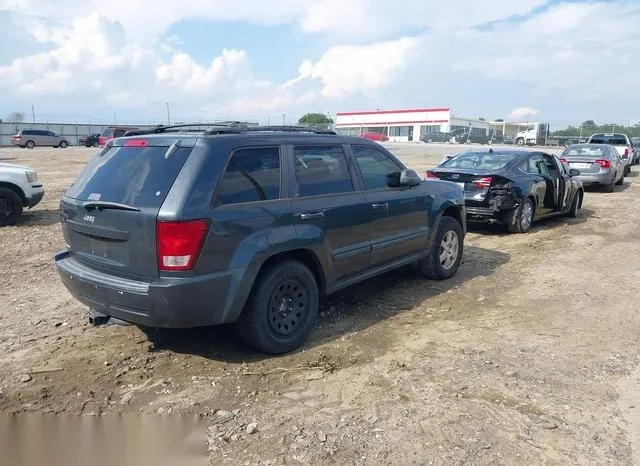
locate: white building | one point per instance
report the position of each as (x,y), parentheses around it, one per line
(406,125)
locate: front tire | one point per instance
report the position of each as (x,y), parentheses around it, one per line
(10,207)
(445,255)
(522,220)
(520,142)
(282,309)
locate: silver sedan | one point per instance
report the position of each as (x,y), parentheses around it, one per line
(599,164)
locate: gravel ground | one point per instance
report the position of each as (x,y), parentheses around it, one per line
(530,355)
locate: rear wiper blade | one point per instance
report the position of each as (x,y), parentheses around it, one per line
(100,205)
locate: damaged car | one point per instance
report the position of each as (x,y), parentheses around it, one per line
(513,187)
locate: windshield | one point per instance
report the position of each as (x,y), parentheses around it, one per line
(585,151)
(613,139)
(482,161)
(135,176)
(107,133)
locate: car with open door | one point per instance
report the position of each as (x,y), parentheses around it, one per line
(513,187)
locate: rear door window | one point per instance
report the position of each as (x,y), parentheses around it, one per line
(321,170)
(252,175)
(135,176)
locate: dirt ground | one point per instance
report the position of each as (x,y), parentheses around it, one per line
(528,356)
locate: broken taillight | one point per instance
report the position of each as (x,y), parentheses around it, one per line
(483,183)
(179,243)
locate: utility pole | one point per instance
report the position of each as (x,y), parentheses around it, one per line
(33,113)
(283,120)
(115,120)
(168,114)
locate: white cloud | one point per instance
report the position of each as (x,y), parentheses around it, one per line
(582,50)
(522,113)
(346,69)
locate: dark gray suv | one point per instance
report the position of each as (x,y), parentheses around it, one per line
(182,228)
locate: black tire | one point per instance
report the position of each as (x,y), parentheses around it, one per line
(264,325)
(522,218)
(576,205)
(10,207)
(620,181)
(63,145)
(520,142)
(30,144)
(609,188)
(448,242)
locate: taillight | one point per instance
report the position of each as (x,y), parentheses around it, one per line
(603,163)
(626,152)
(179,243)
(563,160)
(483,183)
(431,175)
(137,143)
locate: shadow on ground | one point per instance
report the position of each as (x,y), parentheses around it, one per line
(351,310)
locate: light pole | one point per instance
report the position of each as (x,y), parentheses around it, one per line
(168,114)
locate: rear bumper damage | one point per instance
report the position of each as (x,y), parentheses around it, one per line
(166,302)
(494,211)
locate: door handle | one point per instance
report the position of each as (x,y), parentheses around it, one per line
(311,216)
(382,205)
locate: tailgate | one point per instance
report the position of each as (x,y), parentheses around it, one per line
(109,213)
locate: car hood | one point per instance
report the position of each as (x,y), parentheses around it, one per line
(9,167)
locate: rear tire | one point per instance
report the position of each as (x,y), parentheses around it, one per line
(620,181)
(576,206)
(282,308)
(63,145)
(445,255)
(30,145)
(609,188)
(10,207)
(522,217)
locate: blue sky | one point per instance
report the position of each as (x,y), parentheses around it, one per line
(561,61)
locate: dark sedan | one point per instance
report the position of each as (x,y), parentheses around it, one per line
(513,187)
(90,140)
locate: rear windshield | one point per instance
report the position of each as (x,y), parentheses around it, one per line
(135,176)
(614,139)
(586,151)
(482,161)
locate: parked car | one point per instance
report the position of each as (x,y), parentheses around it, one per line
(436,136)
(599,164)
(377,137)
(91,140)
(113,132)
(31,138)
(635,145)
(513,187)
(620,141)
(20,189)
(468,138)
(251,226)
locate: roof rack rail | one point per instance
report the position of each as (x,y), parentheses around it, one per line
(292,129)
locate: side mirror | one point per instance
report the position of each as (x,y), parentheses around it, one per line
(574,172)
(409,178)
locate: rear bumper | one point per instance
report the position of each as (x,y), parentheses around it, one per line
(597,178)
(493,213)
(180,302)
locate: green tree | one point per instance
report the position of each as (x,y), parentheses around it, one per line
(315,119)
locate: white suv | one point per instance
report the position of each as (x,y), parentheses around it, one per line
(621,142)
(19,188)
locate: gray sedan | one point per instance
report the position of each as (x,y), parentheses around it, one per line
(599,164)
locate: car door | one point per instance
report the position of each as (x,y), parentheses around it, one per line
(50,138)
(400,224)
(327,208)
(567,188)
(538,177)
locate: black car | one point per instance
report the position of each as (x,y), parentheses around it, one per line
(513,187)
(90,140)
(181,229)
(436,136)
